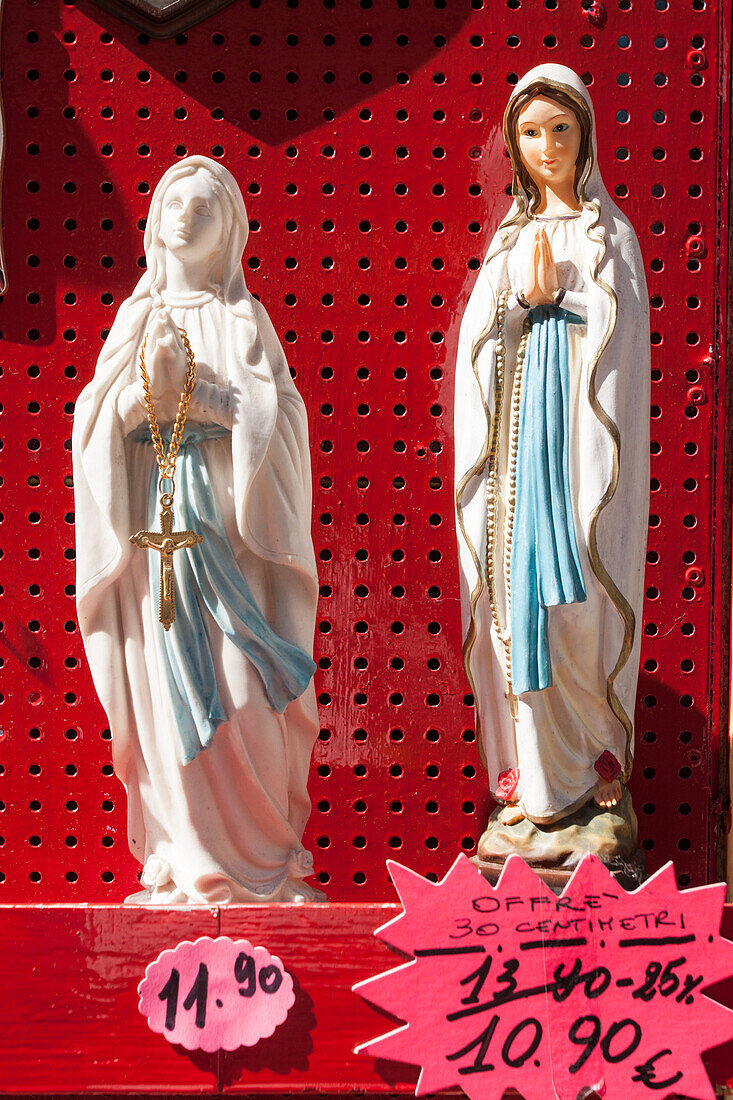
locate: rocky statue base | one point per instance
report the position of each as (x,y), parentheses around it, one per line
(554,851)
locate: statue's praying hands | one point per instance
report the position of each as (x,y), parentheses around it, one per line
(541,284)
(165,362)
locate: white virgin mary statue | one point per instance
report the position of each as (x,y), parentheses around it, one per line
(213,721)
(552,483)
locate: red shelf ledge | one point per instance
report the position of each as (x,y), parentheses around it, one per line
(71,1023)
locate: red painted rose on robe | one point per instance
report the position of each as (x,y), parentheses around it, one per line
(507,784)
(607,766)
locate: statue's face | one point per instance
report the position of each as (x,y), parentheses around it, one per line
(192,220)
(549,142)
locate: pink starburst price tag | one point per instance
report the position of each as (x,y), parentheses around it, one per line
(215,994)
(599,989)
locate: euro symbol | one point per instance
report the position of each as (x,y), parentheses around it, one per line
(647,1074)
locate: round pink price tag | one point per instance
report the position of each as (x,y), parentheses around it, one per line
(215,994)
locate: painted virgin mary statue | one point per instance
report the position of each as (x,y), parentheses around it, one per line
(213,720)
(552,482)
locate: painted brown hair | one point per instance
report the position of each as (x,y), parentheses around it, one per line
(570,102)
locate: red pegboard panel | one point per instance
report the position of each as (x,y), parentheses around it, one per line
(366,137)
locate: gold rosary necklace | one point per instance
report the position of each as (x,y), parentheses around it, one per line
(167,541)
(492,484)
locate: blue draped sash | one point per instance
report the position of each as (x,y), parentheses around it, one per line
(208,576)
(544,565)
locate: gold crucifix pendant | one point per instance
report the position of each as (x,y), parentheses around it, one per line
(513,704)
(166,542)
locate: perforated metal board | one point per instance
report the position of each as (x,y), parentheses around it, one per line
(366,137)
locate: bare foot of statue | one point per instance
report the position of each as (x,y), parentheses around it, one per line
(297,892)
(608,795)
(511,814)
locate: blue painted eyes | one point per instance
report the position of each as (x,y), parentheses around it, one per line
(560,128)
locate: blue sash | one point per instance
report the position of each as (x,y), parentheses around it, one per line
(208,576)
(544,566)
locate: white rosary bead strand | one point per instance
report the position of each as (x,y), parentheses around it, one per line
(492,483)
(492,480)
